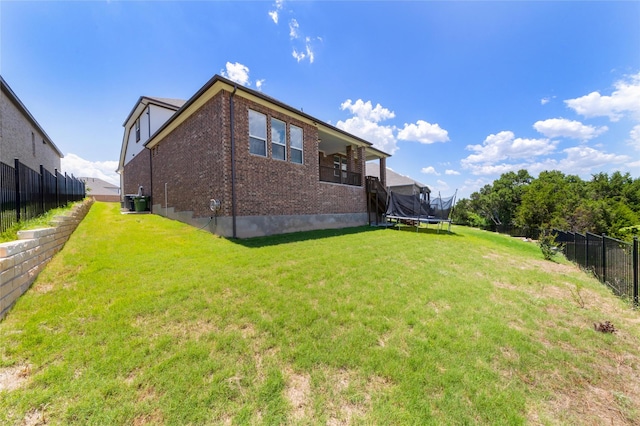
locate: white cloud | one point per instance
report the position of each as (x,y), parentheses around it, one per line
(309,49)
(634,137)
(237,72)
(439,187)
(274,14)
(423,132)
(505,145)
(294,28)
(259,83)
(367,111)
(380,136)
(546,100)
(451,172)
(305,51)
(298,55)
(79,167)
(365,124)
(581,159)
(624,99)
(561,127)
(429,171)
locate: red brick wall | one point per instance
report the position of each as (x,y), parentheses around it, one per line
(136,173)
(195,161)
(192,161)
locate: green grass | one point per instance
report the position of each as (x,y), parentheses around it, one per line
(41,221)
(143,320)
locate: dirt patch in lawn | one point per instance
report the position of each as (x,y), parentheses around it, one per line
(15,377)
(297,392)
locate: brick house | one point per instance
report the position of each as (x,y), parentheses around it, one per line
(22,137)
(272,168)
(145,118)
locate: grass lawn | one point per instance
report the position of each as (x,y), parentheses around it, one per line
(143,320)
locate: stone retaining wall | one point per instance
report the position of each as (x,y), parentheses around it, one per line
(21,261)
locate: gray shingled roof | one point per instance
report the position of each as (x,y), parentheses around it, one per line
(393,178)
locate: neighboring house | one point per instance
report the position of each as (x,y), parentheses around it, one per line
(22,137)
(144,119)
(271,167)
(101,190)
(400,184)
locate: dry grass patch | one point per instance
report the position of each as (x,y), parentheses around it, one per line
(297,393)
(15,377)
(35,417)
(153,418)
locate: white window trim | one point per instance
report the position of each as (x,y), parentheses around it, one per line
(286,137)
(301,149)
(266,151)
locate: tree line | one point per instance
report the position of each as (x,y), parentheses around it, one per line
(603,205)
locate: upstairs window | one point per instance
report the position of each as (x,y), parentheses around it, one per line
(257,133)
(138,130)
(278,139)
(296,144)
(33,143)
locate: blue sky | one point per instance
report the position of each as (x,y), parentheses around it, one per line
(458,92)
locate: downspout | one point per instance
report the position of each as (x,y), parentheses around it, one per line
(150,161)
(233,160)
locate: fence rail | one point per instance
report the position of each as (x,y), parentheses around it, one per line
(613,262)
(26,193)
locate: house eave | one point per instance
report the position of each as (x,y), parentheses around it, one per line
(6,89)
(218,83)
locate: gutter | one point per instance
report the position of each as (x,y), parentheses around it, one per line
(150,158)
(233,159)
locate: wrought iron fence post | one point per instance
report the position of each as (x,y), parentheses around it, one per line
(604,258)
(55,174)
(17,174)
(586,250)
(42,190)
(635,271)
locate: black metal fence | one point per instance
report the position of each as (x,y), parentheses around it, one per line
(330,174)
(26,193)
(613,261)
(516,231)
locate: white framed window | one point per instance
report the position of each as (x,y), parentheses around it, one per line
(138,130)
(278,139)
(295,134)
(257,133)
(339,163)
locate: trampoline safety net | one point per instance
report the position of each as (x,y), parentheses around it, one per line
(412,207)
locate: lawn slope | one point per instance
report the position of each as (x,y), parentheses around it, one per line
(143,320)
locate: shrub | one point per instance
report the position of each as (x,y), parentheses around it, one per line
(548,245)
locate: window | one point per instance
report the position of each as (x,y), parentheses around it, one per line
(339,163)
(138,130)
(296,144)
(257,133)
(278,139)
(33,143)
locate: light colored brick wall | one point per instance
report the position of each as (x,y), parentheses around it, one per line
(21,261)
(16,141)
